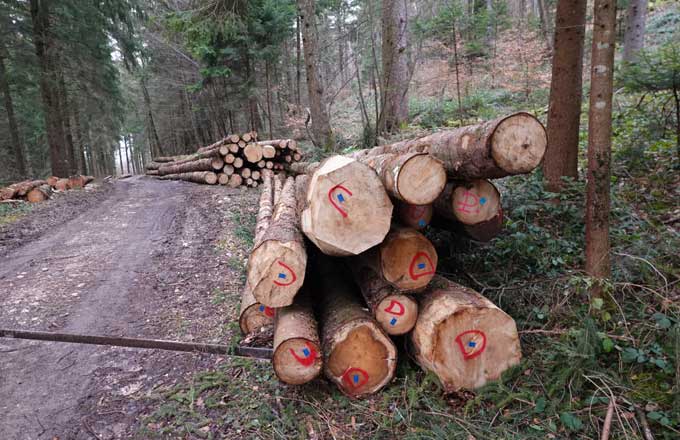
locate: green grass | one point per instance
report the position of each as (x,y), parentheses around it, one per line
(9,213)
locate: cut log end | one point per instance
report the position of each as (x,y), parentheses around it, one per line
(279,272)
(397,314)
(297,361)
(463,338)
(408,260)
(414,216)
(518,143)
(362,361)
(421,179)
(255,317)
(348,210)
(475,202)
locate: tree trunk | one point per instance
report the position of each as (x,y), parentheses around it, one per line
(395,66)
(358,356)
(599,144)
(153,134)
(79,144)
(415,178)
(348,218)
(634,38)
(545,22)
(15,138)
(393,310)
(277,265)
(297,357)
(321,127)
(66,121)
(298,61)
(501,147)
(405,259)
(45,50)
(564,112)
(471,208)
(481,340)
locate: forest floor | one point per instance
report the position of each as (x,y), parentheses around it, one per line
(135,258)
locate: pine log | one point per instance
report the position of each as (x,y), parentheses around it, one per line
(358,356)
(247,137)
(253,153)
(229,158)
(245,173)
(347,209)
(52,180)
(281,144)
(187,167)
(238,162)
(415,178)
(513,144)
(268,151)
(255,175)
(249,181)
(76,182)
(222,179)
(62,185)
(462,337)
(233,148)
(169,158)
(211,146)
(148,167)
(414,216)
(39,193)
(241,144)
(297,357)
(152,173)
(261,164)
(278,186)
(235,180)
(207,177)
(23,188)
(471,208)
(288,158)
(234,138)
(254,315)
(405,259)
(269,164)
(87,180)
(217,163)
(213,152)
(393,310)
(7,193)
(228,169)
(297,157)
(255,184)
(277,265)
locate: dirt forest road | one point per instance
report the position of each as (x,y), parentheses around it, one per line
(135,258)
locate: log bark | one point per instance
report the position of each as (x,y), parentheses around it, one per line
(252,153)
(358,356)
(297,357)
(303,167)
(20,189)
(462,337)
(253,315)
(187,167)
(277,265)
(152,173)
(39,194)
(470,208)
(164,159)
(347,208)
(207,177)
(414,216)
(405,259)
(393,310)
(415,178)
(513,144)
(7,193)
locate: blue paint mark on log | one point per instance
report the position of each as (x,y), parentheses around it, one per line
(421,265)
(261,308)
(282,275)
(393,321)
(421,223)
(341,198)
(356,378)
(472,344)
(305,351)
(482,200)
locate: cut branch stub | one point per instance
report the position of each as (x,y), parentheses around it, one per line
(347,208)
(297,357)
(276,267)
(463,337)
(415,178)
(471,208)
(358,356)
(414,216)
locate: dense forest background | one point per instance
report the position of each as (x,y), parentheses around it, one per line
(129,79)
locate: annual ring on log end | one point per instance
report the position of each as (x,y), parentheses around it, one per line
(339,196)
(282,276)
(355,378)
(268,311)
(308,357)
(472,343)
(421,266)
(518,143)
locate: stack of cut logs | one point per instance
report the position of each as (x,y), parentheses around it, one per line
(40,190)
(336,271)
(233,161)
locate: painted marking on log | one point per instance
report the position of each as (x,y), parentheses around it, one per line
(284,277)
(482,200)
(393,321)
(268,311)
(469,207)
(473,347)
(355,378)
(395,308)
(420,266)
(308,357)
(340,197)
(422,223)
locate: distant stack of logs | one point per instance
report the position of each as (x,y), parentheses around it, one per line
(40,190)
(366,273)
(233,161)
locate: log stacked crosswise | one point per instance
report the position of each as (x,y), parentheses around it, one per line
(341,261)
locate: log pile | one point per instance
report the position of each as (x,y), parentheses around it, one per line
(340,265)
(35,191)
(236,160)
